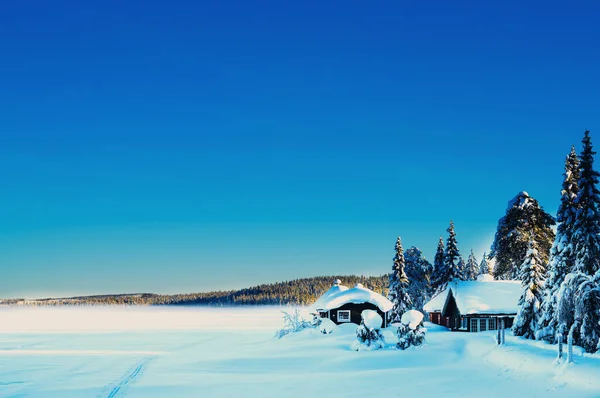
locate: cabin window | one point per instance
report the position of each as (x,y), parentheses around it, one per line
(474,325)
(482,325)
(492,325)
(463,323)
(343,316)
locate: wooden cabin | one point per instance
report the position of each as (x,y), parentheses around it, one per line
(344,305)
(475,306)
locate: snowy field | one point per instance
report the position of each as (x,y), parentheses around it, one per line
(201,352)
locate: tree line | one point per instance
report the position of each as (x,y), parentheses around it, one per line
(302,291)
(414,280)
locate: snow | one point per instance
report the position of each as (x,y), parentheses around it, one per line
(372,319)
(357,295)
(327,326)
(485,278)
(522,200)
(479,297)
(333,290)
(412,318)
(230,352)
(436,304)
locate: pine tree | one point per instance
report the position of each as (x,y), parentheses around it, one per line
(472,269)
(398,287)
(485,267)
(452,258)
(581,287)
(586,236)
(408,337)
(532,280)
(562,254)
(587,310)
(418,271)
(524,219)
(439,272)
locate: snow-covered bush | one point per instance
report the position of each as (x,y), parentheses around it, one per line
(368,333)
(411,331)
(295,322)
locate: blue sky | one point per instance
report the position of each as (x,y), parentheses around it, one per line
(177,147)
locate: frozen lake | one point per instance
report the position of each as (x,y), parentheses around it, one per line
(211,352)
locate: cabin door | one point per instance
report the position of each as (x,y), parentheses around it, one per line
(474,325)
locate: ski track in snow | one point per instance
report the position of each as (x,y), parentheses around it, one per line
(129,377)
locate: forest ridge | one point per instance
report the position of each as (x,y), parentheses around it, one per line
(301,291)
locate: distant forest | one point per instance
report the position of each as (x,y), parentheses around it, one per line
(296,292)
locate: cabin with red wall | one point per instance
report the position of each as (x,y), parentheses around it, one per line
(475,306)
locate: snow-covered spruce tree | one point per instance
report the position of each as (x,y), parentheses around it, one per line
(398,288)
(418,271)
(583,283)
(587,310)
(462,266)
(411,331)
(524,218)
(566,298)
(485,267)
(368,333)
(472,270)
(452,258)
(439,272)
(586,235)
(532,280)
(562,254)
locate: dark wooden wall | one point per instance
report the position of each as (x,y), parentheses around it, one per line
(355,312)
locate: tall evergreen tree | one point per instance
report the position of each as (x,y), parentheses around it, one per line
(418,271)
(586,236)
(532,280)
(581,287)
(562,254)
(398,288)
(524,219)
(485,267)
(452,258)
(472,267)
(439,272)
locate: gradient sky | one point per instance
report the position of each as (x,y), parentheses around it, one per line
(189,146)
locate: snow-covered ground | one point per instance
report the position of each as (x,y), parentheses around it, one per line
(202,352)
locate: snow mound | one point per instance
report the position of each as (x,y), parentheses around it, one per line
(412,318)
(485,278)
(327,326)
(357,295)
(372,319)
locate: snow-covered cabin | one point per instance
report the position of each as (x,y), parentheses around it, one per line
(343,305)
(475,306)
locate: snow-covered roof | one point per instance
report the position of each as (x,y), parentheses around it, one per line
(333,290)
(357,295)
(479,297)
(437,302)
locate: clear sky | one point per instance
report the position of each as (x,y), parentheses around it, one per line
(187,146)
